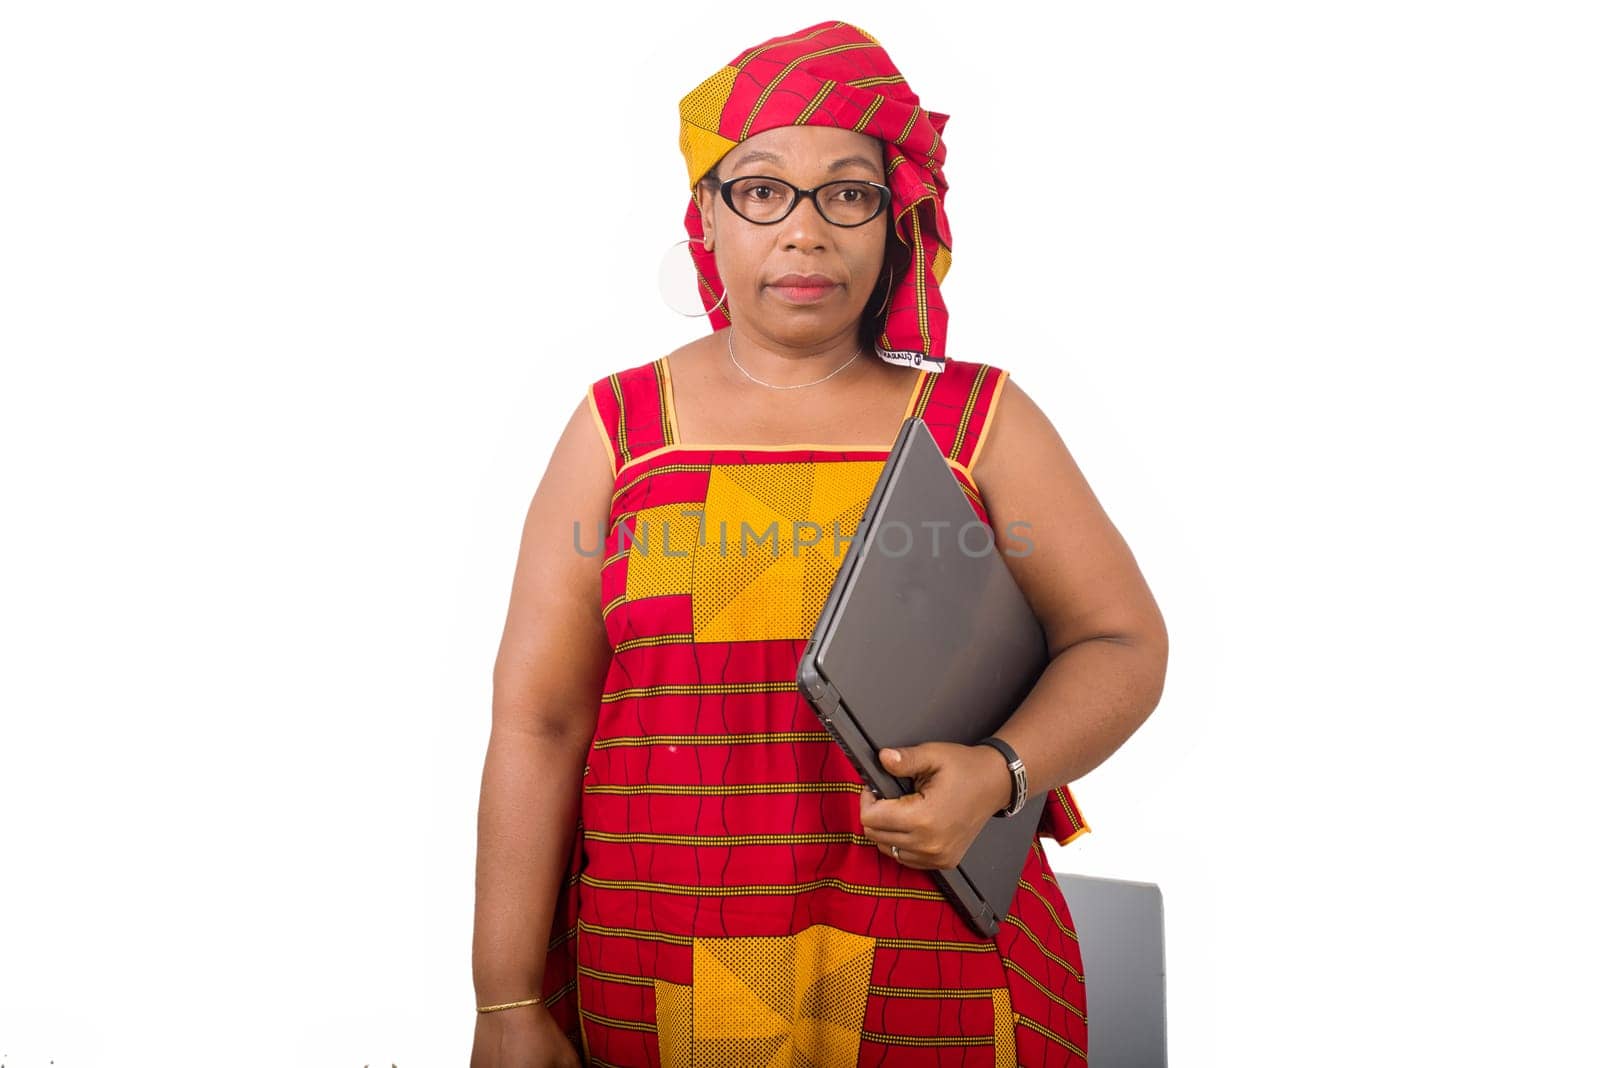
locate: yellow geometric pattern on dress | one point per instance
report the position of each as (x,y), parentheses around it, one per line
(661,550)
(759,557)
(782,1001)
(1005,1030)
(675,1023)
(785,527)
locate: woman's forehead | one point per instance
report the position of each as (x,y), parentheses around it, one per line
(817,149)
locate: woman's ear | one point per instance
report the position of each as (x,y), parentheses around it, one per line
(705,198)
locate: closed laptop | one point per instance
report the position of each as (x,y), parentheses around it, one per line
(925,636)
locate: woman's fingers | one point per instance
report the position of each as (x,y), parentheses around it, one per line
(895,823)
(888,836)
(907,812)
(909,857)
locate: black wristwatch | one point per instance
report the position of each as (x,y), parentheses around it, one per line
(1019,777)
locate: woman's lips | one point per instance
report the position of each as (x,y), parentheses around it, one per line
(804,294)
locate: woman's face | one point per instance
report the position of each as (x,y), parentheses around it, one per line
(751,258)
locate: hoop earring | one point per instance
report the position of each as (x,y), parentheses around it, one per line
(887,290)
(714,307)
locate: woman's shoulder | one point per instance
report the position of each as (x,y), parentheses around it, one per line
(631,406)
(624,374)
(653,373)
(974,381)
(968,371)
(959,407)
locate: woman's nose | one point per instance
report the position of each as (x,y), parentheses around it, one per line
(805,225)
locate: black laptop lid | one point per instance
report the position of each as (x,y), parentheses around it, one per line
(927,637)
(932,638)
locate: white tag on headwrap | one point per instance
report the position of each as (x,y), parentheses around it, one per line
(909,358)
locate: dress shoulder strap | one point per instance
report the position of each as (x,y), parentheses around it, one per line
(958,404)
(630,409)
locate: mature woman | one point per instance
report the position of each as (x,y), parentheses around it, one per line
(677,864)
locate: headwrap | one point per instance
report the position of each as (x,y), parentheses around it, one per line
(836,74)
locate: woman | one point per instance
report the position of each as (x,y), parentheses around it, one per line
(677,865)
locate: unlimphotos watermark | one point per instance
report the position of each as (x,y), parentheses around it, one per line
(893,537)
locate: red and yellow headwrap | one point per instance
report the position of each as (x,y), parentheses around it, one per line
(836,74)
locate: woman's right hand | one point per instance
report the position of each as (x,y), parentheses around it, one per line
(524,1037)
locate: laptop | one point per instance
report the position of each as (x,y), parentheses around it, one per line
(925,636)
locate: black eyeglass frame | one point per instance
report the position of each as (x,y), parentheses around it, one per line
(724,187)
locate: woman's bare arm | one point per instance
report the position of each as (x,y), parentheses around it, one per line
(548,678)
(1107,638)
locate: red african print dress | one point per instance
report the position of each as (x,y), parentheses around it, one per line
(723,907)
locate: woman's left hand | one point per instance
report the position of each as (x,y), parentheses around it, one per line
(957,789)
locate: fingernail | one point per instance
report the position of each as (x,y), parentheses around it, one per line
(892,754)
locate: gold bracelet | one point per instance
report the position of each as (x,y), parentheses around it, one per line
(508,1005)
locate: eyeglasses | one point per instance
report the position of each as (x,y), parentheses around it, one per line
(764,201)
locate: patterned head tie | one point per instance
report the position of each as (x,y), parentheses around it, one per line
(836,74)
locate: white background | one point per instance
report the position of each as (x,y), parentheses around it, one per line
(295,297)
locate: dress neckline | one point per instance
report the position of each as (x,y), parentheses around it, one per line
(672,422)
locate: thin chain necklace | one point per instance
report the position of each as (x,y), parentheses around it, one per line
(799,385)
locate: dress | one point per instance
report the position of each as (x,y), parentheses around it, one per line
(722,906)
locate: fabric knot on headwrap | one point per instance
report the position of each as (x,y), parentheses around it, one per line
(836,74)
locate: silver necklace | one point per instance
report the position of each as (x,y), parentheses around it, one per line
(799,385)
